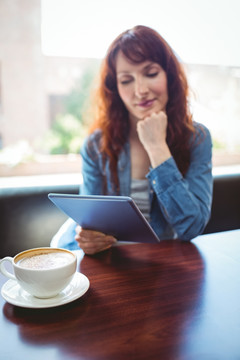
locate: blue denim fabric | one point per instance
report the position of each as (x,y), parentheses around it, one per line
(180,206)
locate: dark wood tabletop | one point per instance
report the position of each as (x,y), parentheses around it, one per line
(172,300)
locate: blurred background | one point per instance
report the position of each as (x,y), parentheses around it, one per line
(50,52)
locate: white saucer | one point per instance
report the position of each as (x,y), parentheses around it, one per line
(15,295)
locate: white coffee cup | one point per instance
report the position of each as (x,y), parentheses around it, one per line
(42,272)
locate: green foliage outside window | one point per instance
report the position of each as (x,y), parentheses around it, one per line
(66,135)
(68,130)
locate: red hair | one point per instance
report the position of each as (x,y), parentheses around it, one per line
(138,45)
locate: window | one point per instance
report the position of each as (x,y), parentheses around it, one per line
(47,67)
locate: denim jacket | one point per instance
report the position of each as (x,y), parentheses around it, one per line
(179,206)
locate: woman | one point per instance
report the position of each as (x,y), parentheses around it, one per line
(144,144)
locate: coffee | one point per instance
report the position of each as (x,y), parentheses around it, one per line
(45,260)
(42,272)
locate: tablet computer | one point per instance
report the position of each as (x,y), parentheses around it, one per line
(118,216)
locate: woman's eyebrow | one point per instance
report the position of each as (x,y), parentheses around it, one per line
(123,72)
(150,65)
(146,67)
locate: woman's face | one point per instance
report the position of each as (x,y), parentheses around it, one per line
(142,87)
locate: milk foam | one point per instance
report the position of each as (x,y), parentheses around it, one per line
(46,260)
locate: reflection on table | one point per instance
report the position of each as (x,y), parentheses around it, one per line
(172,300)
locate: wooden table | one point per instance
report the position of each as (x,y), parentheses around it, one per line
(168,301)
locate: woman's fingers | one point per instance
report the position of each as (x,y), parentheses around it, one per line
(92,241)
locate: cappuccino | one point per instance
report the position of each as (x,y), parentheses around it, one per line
(45,260)
(42,272)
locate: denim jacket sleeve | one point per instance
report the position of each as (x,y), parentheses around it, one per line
(91,166)
(186,201)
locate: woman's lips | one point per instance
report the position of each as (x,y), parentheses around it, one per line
(146,103)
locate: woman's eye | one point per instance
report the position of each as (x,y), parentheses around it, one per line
(153,74)
(125,82)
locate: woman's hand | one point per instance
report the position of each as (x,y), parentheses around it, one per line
(152,132)
(92,242)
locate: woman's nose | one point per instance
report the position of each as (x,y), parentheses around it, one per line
(141,87)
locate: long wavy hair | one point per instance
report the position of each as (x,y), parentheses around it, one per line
(139,44)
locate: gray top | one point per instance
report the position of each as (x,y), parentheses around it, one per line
(140,195)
